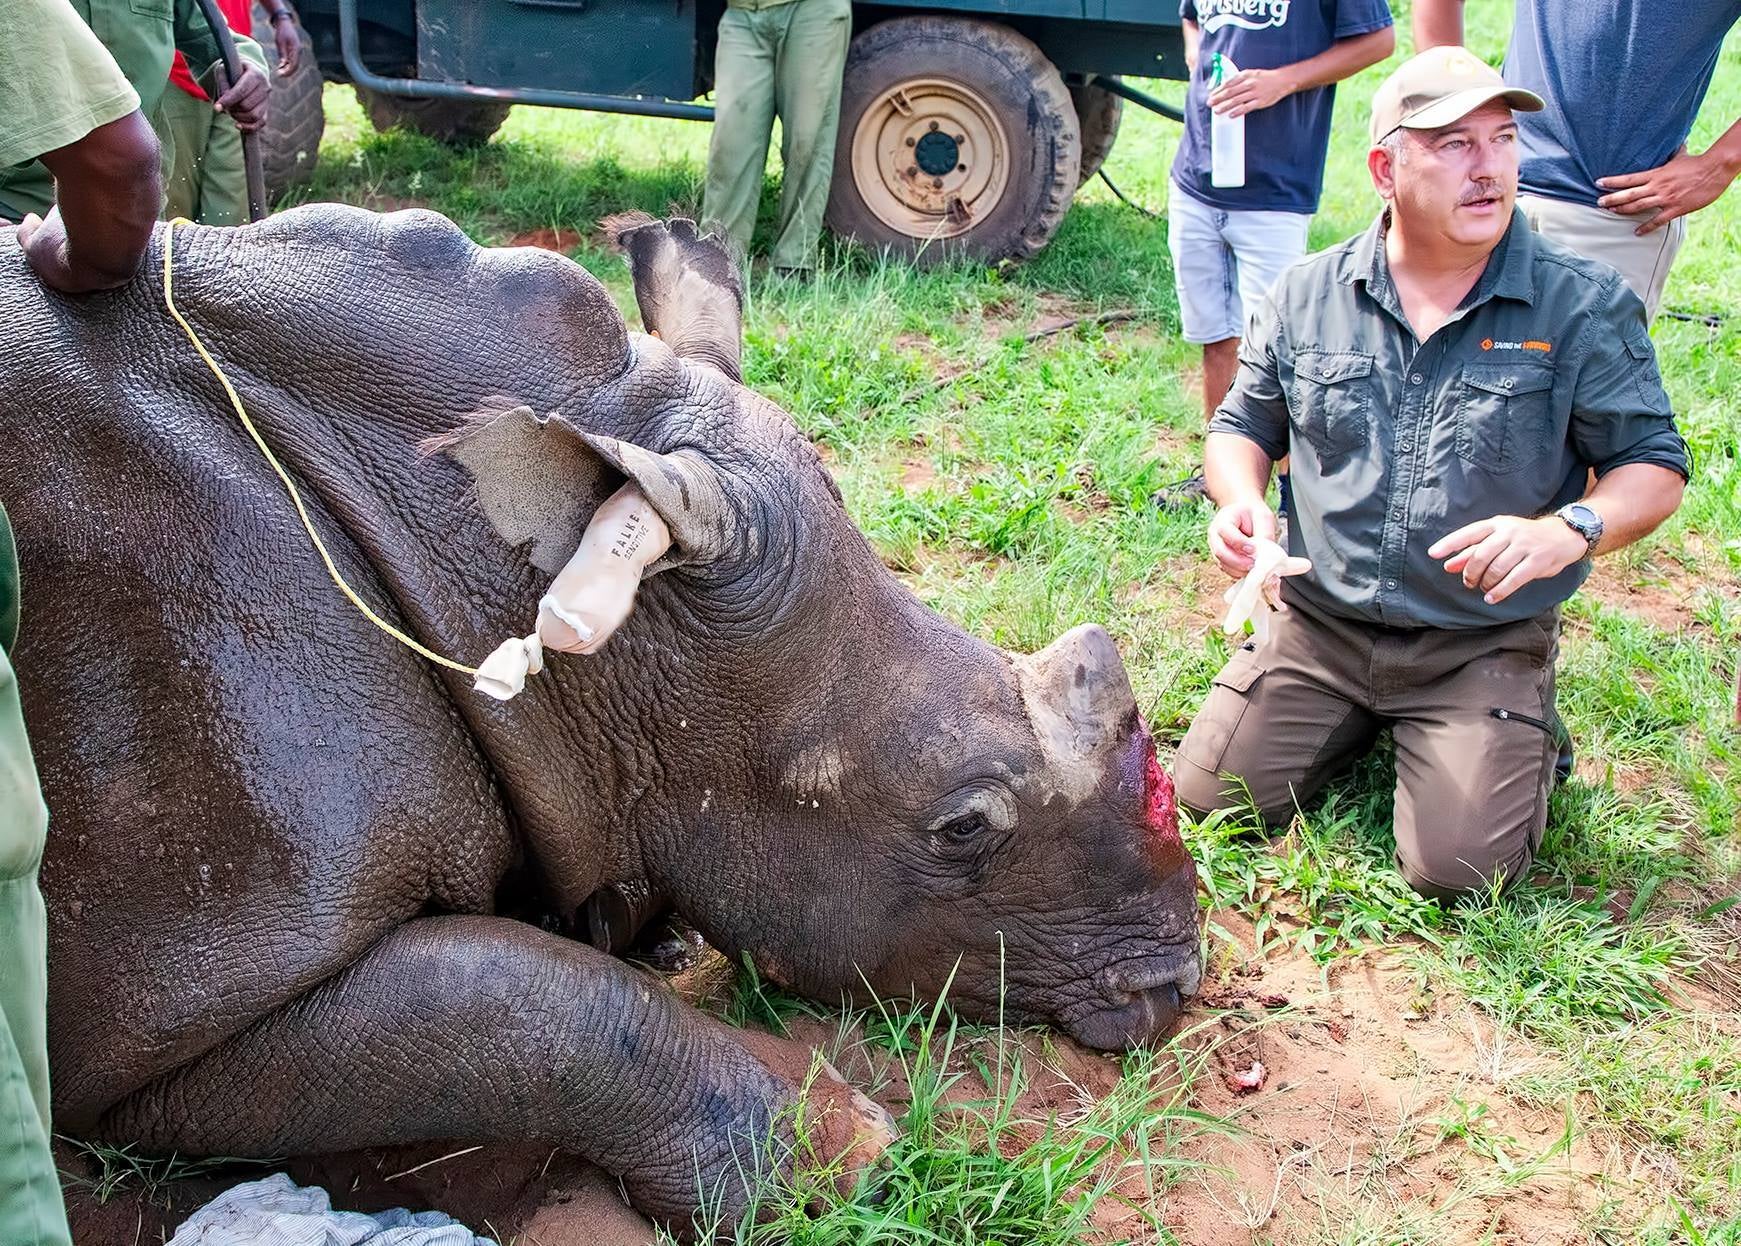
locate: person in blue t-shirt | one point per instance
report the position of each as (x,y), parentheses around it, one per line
(1605,166)
(1229,243)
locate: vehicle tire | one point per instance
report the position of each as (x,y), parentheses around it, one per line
(1097,115)
(957,137)
(295,118)
(461,123)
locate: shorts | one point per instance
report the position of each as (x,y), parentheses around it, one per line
(1225,262)
(1611,237)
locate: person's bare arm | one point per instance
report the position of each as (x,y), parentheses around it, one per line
(1437,22)
(284,36)
(1682,186)
(107,192)
(1193,40)
(1250,90)
(1500,555)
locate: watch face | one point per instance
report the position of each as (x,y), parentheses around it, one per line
(1584,515)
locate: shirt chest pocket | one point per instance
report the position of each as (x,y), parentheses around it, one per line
(1504,413)
(1332,400)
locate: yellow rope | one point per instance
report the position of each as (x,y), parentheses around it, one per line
(236,402)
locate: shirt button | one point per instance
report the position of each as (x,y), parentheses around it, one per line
(1406,446)
(1397,513)
(1390,583)
(1509,382)
(1417,378)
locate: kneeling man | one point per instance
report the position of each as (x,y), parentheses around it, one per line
(1445,382)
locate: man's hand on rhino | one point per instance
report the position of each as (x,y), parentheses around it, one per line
(49,251)
(247,99)
(1235,531)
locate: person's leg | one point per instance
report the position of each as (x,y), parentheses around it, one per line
(223,175)
(1280,720)
(737,154)
(1220,363)
(1475,748)
(1208,293)
(1264,245)
(1611,237)
(182,124)
(810,62)
(30,1201)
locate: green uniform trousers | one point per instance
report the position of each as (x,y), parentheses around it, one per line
(31,1213)
(785,59)
(204,178)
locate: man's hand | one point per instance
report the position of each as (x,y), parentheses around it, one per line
(1682,186)
(1232,530)
(287,41)
(1251,90)
(45,249)
(1498,556)
(246,100)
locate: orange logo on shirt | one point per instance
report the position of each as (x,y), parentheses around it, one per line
(1488,343)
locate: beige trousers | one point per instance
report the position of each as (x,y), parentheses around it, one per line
(1598,234)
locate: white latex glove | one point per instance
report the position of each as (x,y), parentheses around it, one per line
(1259,594)
(591,595)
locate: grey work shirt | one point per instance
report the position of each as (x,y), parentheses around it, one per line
(1545,372)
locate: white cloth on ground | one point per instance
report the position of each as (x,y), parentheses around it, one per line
(275,1211)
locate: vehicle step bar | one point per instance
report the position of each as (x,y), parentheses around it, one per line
(635,105)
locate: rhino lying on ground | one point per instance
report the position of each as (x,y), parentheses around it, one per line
(309,892)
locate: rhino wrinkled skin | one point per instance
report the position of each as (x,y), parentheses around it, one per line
(308,892)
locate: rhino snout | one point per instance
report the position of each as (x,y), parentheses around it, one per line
(1141,1008)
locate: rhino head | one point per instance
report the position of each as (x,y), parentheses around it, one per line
(846,787)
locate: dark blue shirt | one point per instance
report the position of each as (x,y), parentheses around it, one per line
(1623,81)
(1285,145)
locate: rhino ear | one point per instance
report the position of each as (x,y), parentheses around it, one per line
(687,287)
(1077,692)
(686,490)
(539,480)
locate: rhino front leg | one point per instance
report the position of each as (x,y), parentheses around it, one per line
(483,1029)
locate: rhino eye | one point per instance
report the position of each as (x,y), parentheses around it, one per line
(964,829)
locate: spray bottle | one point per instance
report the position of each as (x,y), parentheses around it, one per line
(1226,134)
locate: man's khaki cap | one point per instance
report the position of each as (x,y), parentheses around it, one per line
(1438,86)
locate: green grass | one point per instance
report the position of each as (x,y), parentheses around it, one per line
(971,1167)
(1006,480)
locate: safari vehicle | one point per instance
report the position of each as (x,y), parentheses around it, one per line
(966,125)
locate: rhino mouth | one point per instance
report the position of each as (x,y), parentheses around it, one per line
(1140,1009)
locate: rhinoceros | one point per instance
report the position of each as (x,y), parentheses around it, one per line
(310,892)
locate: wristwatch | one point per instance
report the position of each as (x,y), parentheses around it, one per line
(1585,522)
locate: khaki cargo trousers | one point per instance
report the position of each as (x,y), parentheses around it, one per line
(783,59)
(1471,712)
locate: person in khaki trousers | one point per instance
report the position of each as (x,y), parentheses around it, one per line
(776,57)
(1445,384)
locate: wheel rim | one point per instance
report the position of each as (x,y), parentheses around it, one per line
(930,158)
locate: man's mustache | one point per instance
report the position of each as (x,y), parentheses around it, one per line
(1480,191)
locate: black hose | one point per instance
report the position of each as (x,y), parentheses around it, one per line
(232,74)
(1126,200)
